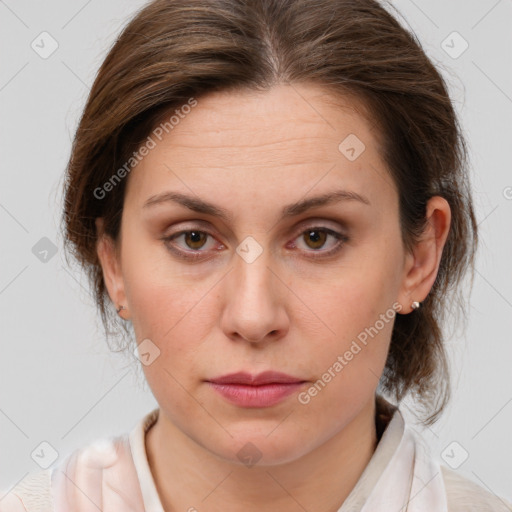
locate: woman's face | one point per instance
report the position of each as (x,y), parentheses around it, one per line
(281,281)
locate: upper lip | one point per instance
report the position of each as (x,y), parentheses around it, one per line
(268,377)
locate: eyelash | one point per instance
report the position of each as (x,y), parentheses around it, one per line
(195,255)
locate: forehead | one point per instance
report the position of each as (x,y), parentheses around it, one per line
(286,138)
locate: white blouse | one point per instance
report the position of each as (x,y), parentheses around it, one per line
(113,475)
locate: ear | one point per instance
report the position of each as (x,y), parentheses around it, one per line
(422,264)
(111,265)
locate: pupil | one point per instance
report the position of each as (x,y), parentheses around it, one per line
(316,238)
(194,239)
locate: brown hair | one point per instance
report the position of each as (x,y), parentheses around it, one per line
(174,50)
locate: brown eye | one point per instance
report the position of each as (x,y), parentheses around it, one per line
(315,238)
(195,239)
(191,244)
(320,242)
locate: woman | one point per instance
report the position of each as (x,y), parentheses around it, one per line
(272,195)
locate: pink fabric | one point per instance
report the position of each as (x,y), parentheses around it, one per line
(102,477)
(111,475)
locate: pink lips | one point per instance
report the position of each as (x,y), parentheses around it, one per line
(262,390)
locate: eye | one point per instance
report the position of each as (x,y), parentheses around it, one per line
(317,237)
(194,240)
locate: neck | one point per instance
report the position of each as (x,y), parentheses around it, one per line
(189,477)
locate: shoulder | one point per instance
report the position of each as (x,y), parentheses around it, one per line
(464,495)
(104,464)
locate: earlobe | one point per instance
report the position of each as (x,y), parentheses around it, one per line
(110,264)
(422,264)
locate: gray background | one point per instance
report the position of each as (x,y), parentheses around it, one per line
(59,382)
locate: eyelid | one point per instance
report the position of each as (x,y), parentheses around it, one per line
(311,223)
(320,223)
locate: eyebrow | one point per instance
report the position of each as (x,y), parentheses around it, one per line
(201,206)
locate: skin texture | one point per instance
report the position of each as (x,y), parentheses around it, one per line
(252,154)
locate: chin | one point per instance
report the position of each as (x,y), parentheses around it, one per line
(260,449)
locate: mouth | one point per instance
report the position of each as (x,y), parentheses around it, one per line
(263,390)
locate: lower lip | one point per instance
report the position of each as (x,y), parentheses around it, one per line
(256,396)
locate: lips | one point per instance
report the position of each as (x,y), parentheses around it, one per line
(263,390)
(269,377)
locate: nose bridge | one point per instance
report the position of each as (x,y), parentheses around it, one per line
(252,275)
(252,306)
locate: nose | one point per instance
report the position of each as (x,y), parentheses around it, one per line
(254,309)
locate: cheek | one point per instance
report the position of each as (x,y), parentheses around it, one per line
(357,296)
(178,319)
(347,367)
(174,316)
(175,312)
(358,308)
(362,325)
